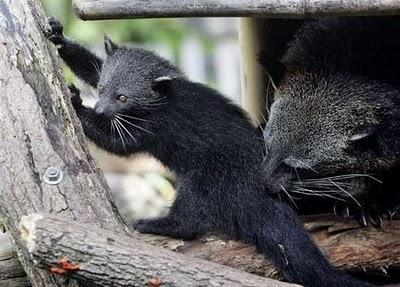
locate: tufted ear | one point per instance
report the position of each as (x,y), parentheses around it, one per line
(161,83)
(109,46)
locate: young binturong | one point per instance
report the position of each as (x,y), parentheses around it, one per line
(146,105)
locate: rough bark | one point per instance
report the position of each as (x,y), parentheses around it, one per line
(116,9)
(40,131)
(91,254)
(11,272)
(349,247)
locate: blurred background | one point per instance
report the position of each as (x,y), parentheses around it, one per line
(206,49)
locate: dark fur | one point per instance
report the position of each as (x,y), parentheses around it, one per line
(211,146)
(337,112)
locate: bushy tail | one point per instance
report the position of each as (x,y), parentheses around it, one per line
(274,229)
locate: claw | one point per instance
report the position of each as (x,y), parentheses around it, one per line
(396,211)
(346,214)
(56,26)
(334,210)
(55,34)
(389,214)
(377,221)
(75,96)
(363,219)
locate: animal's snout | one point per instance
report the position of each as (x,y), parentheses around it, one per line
(282,171)
(277,174)
(100,109)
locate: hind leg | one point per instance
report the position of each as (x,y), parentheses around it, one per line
(186,219)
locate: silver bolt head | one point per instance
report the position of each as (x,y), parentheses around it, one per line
(53,175)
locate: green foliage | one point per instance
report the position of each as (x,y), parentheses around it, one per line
(167,31)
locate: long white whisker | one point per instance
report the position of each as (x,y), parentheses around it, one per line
(288,195)
(320,184)
(346,192)
(316,193)
(354,175)
(131,117)
(129,133)
(120,134)
(136,126)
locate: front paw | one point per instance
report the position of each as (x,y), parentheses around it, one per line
(75,96)
(55,34)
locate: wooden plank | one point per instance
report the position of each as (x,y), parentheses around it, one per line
(116,9)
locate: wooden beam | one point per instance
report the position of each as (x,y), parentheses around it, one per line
(116,9)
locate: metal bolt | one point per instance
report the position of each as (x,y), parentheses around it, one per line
(53,175)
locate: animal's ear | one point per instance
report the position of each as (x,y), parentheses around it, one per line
(161,83)
(109,46)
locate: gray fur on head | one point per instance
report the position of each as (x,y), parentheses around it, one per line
(336,112)
(131,72)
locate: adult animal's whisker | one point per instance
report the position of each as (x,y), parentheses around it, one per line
(288,195)
(136,126)
(320,184)
(352,176)
(346,192)
(316,193)
(131,117)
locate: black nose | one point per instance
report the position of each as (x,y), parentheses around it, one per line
(278,175)
(99,110)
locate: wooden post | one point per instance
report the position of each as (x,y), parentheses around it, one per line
(253,79)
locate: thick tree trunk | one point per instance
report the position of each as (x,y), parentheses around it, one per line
(45,166)
(39,131)
(11,272)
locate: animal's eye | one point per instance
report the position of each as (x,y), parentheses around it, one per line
(122,98)
(100,89)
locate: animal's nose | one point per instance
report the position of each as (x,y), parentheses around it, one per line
(99,109)
(277,174)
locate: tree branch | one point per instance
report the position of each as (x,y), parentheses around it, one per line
(349,247)
(91,254)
